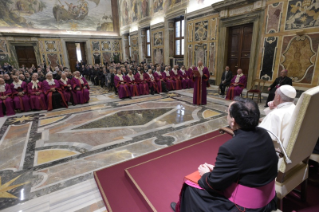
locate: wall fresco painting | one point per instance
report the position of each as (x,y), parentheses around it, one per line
(302,14)
(274,17)
(201,53)
(299,58)
(70,15)
(158,56)
(269,55)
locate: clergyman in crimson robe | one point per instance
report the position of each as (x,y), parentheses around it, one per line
(6,103)
(53,92)
(200,77)
(80,89)
(35,91)
(159,77)
(168,79)
(66,87)
(237,85)
(121,85)
(185,78)
(176,78)
(190,76)
(152,84)
(130,79)
(142,84)
(19,91)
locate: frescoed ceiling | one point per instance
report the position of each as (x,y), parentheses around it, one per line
(62,15)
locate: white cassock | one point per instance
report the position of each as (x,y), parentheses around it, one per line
(278,119)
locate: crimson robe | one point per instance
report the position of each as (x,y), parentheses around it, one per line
(21,102)
(177,80)
(37,102)
(151,84)
(132,85)
(185,79)
(142,84)
(123,89)
(8,103)
(49,95)
(233,90)
(169,81)
(67,91)
(83,95)
(159,79)
(200,86)
(190,76)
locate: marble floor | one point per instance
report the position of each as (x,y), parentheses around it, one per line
(47,158)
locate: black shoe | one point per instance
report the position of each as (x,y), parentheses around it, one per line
(173,206)
(130,97)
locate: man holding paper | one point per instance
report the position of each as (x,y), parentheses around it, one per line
(243,178)
(200,78)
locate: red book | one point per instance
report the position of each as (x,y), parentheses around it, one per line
(193,177)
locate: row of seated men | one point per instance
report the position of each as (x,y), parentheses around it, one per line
(237,84)
(146,81)
(46,95)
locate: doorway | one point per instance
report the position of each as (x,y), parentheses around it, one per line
(76,52)
(26,56)
(239,45)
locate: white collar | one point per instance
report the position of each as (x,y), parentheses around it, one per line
(51,82)
(17,84)
(284,104)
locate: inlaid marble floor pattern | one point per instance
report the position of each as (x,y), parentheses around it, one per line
(47,158)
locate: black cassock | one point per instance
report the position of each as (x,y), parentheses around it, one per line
(273,87)
(249,158)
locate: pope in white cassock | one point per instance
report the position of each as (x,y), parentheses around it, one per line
(280,112)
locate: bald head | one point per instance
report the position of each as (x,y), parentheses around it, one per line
(1,81)
(200,63)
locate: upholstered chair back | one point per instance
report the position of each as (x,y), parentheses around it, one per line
(303,130)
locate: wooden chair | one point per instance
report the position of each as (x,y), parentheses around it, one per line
(299,144)
(257,87)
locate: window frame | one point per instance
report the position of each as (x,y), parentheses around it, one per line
(180,38)
(148,43)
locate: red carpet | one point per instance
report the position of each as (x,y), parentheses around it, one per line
(152,181)
(164,177)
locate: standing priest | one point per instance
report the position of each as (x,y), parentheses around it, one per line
(200,77)
(282,80)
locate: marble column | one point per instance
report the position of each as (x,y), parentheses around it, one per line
(126,50)
(168,41)
(142,44)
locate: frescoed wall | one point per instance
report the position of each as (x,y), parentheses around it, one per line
(106,50)
(51,52)
(291,42)
(201,42)
(157,46)
(135,10)
(69,15)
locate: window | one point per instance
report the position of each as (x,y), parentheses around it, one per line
(129,45)
(179,37)
(148,43)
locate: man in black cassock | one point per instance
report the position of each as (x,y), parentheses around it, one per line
(282,80)
(247,160)
(226,78)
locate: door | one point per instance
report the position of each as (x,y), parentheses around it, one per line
(71,48)
(26,56)
(239,44)
(83,52)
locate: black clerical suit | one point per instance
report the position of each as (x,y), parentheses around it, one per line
(249,159)
(227,77)
(278,82)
